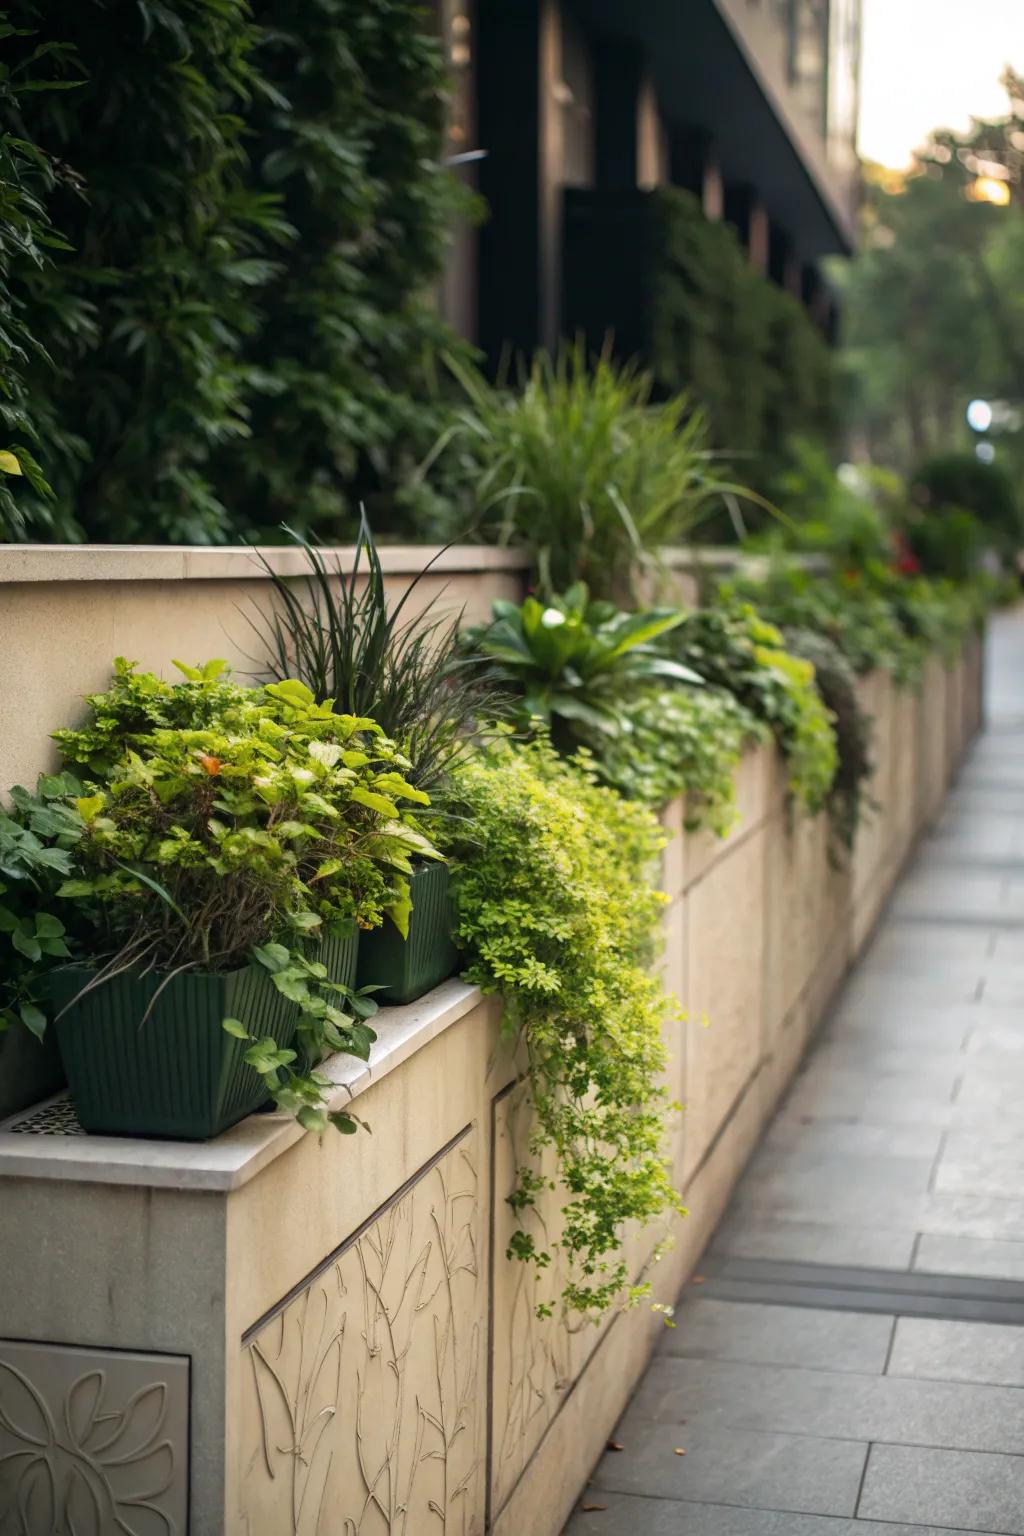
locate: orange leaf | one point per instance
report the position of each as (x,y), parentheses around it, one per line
(212,765)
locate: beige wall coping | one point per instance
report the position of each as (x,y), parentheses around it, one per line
(225,1164)
(154,562)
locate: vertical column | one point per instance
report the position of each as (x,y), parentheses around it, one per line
(513,122)
(619,80)
(744,210)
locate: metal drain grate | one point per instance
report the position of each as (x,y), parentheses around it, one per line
(57,1118)
(842,1288)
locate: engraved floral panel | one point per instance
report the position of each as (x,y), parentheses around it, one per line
(535,1359)
(363,1406)
(92,1441)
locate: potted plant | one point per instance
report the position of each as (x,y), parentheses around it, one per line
(336,631)
(212,862)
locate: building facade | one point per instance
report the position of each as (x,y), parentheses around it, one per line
(576,108)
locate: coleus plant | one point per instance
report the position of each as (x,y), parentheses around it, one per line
(249,836)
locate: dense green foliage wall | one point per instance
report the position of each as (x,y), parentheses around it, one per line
(747,351)
(236,332)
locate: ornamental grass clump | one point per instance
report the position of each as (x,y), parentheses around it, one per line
(336,631)
(557,912)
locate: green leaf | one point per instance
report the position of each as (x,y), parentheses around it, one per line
(311,1119)
(48,926)
(9,463)
(400,910)
(373,802)
(343,1122)
(89,807)
(329,867)
(273,957)
(33,1019)
(235,1027)
(26,944)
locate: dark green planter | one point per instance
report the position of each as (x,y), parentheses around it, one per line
(179,1075)
(30,1070)
(340,957)
(406,968)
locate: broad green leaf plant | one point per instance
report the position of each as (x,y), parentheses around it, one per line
(37,841)
(573,662)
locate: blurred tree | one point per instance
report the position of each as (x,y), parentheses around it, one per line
(934,302)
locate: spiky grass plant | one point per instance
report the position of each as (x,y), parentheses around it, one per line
(335,630)
(583,466)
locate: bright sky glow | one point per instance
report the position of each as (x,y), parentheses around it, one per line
(932,64)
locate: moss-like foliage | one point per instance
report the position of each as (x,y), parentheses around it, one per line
(745,350)
(557,913)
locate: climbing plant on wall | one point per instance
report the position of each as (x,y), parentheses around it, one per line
(237,327)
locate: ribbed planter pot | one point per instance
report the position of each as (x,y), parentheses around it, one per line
(178,1075)
(341,957)
(406,968)
(30,1069)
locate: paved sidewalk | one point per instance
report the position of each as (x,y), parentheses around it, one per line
(853,1364)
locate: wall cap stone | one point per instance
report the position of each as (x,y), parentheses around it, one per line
(232,1160)
(154,562)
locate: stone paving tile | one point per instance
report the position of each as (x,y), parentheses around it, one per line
(942,940)
(924,1030)
(834,1138)
(859,1096)
(845,1053)
(973,1215)
(773,1399)
(626,1515)
(872,990)
(725,1330)
(763,1237)
(764,1470)
(975,1492)
(949,1351)
(989,1258)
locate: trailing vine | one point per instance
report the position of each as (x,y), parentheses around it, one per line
(557,913)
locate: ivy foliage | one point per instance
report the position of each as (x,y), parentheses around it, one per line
(347,131)
(165,243)
(28,241)
(734,648)
(746,351)
(556,912)
(235,328)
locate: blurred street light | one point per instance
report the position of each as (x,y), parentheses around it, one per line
(979,415)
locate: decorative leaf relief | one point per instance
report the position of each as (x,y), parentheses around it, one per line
(83,1454)
(362,1410)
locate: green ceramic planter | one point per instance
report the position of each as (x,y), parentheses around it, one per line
(340,957)
(30,1070)
(406,968)
(179,1075)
